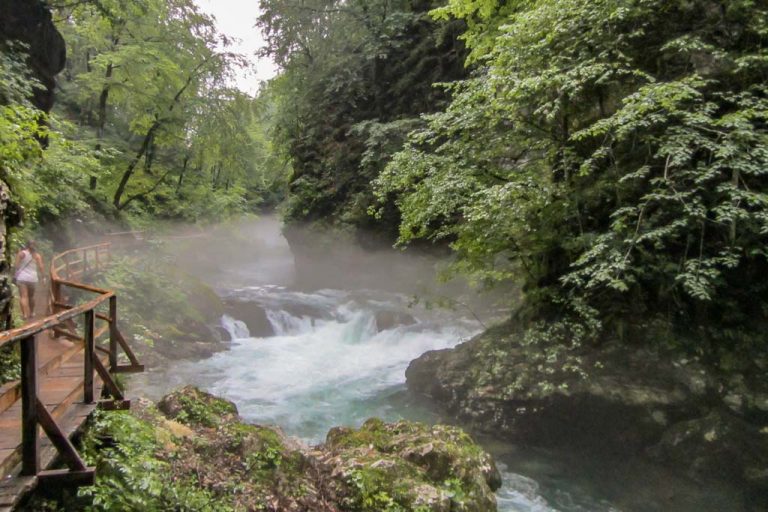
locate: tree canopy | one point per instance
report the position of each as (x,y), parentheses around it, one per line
(356,77)
(146,125)
(612,152)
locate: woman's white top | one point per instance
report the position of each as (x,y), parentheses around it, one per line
(27,272)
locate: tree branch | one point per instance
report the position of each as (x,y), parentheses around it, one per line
(148,191)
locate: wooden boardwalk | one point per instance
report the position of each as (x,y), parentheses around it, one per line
(66,368)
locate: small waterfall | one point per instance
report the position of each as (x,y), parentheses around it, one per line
(237,329)
(520,493)
(286,324)
(359,327)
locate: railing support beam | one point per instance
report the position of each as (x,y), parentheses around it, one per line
(30,440)
(90,353)
(113,334)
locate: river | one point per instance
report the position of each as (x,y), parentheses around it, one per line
(329,344)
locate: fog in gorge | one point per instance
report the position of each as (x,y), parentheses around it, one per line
(257,251)
(321,331)
(321,335)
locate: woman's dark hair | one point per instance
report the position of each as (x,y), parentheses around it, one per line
(30,244)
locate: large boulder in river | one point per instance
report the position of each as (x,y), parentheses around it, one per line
(386,320)
(611,397)
(411,466)
(720,445)
(254,316)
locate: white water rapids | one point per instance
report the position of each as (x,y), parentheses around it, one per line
(334,368)
(333,365)
(310,357)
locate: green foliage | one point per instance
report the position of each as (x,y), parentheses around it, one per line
(10,364)
(197,411)
(144,122)
(46,183)
(356,77)
(130,475)
(613,153)
(21,124)
(159,305)
(369,485)
(271,457)
(51,187)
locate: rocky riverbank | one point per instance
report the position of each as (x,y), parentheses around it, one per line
(616,400)
(192,452)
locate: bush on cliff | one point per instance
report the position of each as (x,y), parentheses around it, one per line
(612,155)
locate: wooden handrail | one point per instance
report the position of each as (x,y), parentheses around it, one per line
(51,321)
(82,286)
(34,413)
(63,276)
(61,260)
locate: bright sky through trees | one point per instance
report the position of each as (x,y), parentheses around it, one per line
(237,19)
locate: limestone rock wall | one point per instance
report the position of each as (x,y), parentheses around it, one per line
(28,22)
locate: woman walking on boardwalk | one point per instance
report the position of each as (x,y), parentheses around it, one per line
(29,272)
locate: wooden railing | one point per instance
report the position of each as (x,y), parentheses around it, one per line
(67,271)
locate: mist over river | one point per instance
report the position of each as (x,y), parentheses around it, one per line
(323,339)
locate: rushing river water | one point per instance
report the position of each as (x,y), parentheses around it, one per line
(309,358)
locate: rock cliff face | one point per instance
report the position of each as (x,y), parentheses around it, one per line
(30,22)
(621,401)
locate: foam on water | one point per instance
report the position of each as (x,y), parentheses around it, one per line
(323,370)
(520,494)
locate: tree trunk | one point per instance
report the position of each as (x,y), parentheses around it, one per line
(216,174)
(150,136)
(132,166)
(102,113)
(149,158)
(181,175)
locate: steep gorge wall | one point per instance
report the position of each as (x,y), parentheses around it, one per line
(30,23)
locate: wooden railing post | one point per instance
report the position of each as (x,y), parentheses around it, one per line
(56,294)
(30,440)
(113,333)
(90,349)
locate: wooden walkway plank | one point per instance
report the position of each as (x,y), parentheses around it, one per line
(62,393)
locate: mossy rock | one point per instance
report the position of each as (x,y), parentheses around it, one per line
(720,445)
(412,466)
(244,465)
(193,450)
(191,406)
